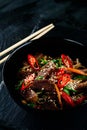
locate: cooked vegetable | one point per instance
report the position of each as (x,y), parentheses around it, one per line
(27,81)
(66,90)
(33,62)
(77,71)
(68,99)
(58,95)
(67,60)
(82,77)
(60,71)
(63,80)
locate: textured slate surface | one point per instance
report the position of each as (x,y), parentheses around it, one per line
(20,18)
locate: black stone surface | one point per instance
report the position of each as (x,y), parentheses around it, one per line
(18,19)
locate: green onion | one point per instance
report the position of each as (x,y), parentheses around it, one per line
(68,87)
(32,105)
(39,78)
(18,86)
(58,62)
(42,61)
(83,77)
(66,90)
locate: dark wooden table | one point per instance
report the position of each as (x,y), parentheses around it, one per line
(20,18)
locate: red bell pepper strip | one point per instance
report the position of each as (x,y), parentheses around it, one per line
(63,80)
(80,99)
(60,71)
(23,86)
(33,62)
(66,60)
(68,99)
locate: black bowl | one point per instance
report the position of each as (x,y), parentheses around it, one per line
(50,46)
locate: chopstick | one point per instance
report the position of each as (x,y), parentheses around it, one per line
(4,59)
(33,36)
(25,39)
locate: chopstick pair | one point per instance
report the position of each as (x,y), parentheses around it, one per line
(31,37)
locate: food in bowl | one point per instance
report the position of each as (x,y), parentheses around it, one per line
(52,83)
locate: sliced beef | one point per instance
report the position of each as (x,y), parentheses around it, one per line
(47,94)
(82,87)
(43,94)
(29,95)
(47,69)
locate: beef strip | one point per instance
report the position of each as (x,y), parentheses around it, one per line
(82,86)
(47,97)
(43,94)
(47,69)
(29,95)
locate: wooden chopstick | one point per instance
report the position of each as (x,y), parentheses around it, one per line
(33,36)
(25,40)
(4,59)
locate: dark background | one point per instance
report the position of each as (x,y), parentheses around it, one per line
(20,18)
